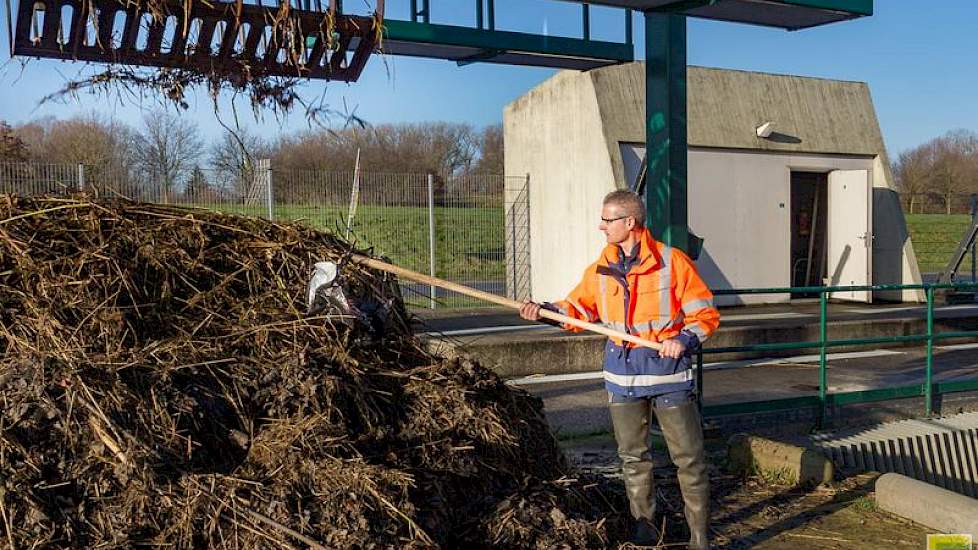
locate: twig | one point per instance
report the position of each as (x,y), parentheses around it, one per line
(6,520)
(108,441)
(44,211)
(836,539)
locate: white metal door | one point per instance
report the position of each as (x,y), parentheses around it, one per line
(850,233)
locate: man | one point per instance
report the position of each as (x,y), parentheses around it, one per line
(643,287)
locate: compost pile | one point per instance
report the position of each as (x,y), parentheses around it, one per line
(161,384)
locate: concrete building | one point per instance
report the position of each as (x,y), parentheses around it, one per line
(806,200)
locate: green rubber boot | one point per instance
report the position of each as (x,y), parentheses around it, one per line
(631,423)
(683,433)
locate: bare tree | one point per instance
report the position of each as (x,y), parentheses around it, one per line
(912,172)
(955,164)
(430,147)
(104,146)
(12,146)
(233,158)
(167,149)
(491,160)
(446,148)
(89,140)
(943,167)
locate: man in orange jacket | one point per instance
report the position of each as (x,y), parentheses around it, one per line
(643,287)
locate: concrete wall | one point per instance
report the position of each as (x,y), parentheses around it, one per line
(567,135)
(553,134)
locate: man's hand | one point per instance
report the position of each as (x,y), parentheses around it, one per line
(674,349)
(530,311)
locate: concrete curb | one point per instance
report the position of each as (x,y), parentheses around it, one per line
(927,504)
(781,461)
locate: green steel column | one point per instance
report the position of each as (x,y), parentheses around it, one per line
(586,21)
(823,367)
(928,377)
(628,27)
(665,128)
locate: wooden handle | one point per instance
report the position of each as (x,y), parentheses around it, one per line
(505,302)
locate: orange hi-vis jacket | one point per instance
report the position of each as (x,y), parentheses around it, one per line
(659,296)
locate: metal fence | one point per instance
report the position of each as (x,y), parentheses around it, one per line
(937,203)
(471,229)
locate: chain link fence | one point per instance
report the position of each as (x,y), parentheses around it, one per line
(938,203)
(471,229)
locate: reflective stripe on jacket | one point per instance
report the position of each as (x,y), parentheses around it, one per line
(660,297)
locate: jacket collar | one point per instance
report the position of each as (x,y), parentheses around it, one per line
(648,252)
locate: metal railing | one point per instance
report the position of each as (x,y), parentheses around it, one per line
(824,400)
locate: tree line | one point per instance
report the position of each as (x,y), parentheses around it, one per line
(169,152)
(941,171)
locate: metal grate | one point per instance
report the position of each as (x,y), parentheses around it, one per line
(226,38)
(941,451)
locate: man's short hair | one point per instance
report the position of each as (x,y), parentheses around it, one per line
(630,203)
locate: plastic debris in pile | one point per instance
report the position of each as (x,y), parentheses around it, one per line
(163,384)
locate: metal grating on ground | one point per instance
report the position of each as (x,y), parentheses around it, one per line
(939,451)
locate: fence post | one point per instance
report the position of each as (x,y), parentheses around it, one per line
(431,234)
(928,376)
(266,166)
(974,218)
(529,259)
(81,178)
(513,292)
(823,381)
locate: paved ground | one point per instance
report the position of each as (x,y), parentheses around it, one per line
(576,404)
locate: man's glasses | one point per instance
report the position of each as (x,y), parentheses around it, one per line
(610,220)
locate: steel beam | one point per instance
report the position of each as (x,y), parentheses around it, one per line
(449,41)
(665,129)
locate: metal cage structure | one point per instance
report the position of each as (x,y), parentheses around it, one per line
(214,38)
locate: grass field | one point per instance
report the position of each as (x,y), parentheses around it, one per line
(935,238)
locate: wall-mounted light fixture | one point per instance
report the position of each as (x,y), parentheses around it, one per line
(765,130)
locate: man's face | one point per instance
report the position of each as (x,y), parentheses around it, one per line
(615,223)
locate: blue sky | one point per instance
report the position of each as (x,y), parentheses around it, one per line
(919,58)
